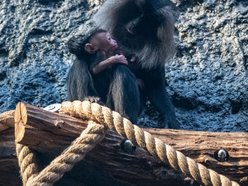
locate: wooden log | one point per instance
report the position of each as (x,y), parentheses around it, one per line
(53,132)
(9,171)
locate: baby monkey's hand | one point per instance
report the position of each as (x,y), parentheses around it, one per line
(93,99)
(119,59)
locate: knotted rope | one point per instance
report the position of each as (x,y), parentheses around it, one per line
(94,133)
(27,163)
(156,147)
(78,149)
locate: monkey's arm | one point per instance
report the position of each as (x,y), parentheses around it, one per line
(107,63)
(159,97)
(103,65)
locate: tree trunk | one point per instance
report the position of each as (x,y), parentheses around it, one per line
(49,133)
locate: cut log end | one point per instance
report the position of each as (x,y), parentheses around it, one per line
(17,115)
(19,132)
(20,121)
(24,114)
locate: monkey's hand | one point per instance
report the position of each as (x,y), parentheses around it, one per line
(119,59)
(140,83)
(171,123)
(134,59)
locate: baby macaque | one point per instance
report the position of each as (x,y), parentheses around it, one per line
(100,70)
(103,51)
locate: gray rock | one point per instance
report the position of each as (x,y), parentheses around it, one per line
(207,80)
(208,77)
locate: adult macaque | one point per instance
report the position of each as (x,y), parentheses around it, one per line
(144,28)
(99,71)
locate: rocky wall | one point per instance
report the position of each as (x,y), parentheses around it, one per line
(207,79)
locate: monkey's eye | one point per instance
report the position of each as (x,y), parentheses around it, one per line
(130,28)
(134,24)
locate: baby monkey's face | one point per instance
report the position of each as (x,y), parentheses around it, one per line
(103,41)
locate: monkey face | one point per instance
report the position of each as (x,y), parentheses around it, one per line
(104,42)
(143,27)
(133,27)
(136,28)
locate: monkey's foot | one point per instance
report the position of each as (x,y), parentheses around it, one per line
(172,124)
(93,99)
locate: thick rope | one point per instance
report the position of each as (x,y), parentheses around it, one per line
(87,141)
(155,146)
(89,138)
(27,163)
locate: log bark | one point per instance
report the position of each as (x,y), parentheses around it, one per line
(50,133)
(9,171)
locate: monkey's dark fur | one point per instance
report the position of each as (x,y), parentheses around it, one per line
(144,28)
(116,87)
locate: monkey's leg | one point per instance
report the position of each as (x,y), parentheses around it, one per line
(124,93)
(79,82)
(160,99)
(157,94)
